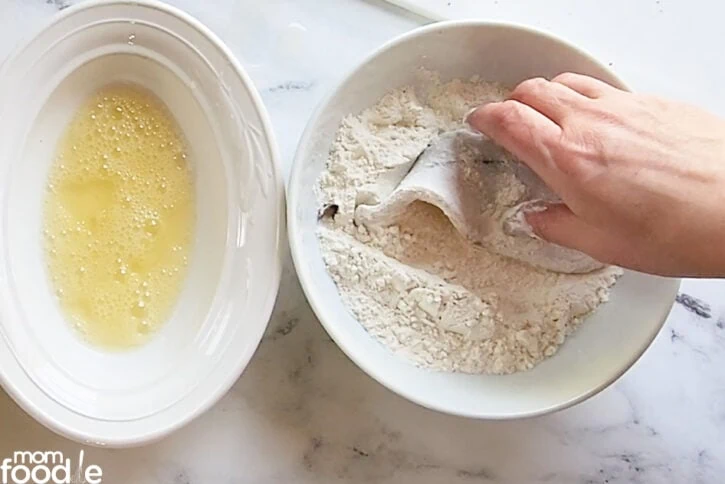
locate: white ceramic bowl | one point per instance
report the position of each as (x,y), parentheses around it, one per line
(608,342)
(132,397)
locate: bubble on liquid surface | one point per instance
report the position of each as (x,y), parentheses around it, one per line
(116,279)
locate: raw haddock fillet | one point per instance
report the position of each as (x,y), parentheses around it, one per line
(469,179)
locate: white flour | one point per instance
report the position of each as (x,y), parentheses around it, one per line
(419,287)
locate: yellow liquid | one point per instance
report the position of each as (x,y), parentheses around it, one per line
(119,217)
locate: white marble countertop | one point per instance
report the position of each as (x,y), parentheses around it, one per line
(303,413)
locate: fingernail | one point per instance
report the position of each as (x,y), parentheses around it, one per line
(469,114)
(514,219)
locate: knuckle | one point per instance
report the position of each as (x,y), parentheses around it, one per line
(530,86)
(566,77)
(606,114)
(508,113)
(586,143)
(582,154)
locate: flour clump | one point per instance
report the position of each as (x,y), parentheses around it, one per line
(420,287)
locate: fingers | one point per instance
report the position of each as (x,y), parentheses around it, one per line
(585,85)
(559,225)
(552,99)
(533,124)
(523,131)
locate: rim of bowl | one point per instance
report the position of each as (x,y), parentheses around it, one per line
(306,278)
(87,436)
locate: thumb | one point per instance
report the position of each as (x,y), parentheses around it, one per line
(556,223)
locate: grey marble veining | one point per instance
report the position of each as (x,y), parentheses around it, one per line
(303,413)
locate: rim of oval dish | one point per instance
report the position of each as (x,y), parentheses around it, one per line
(306,278)
(196,402)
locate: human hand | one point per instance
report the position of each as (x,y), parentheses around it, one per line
(642,180)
